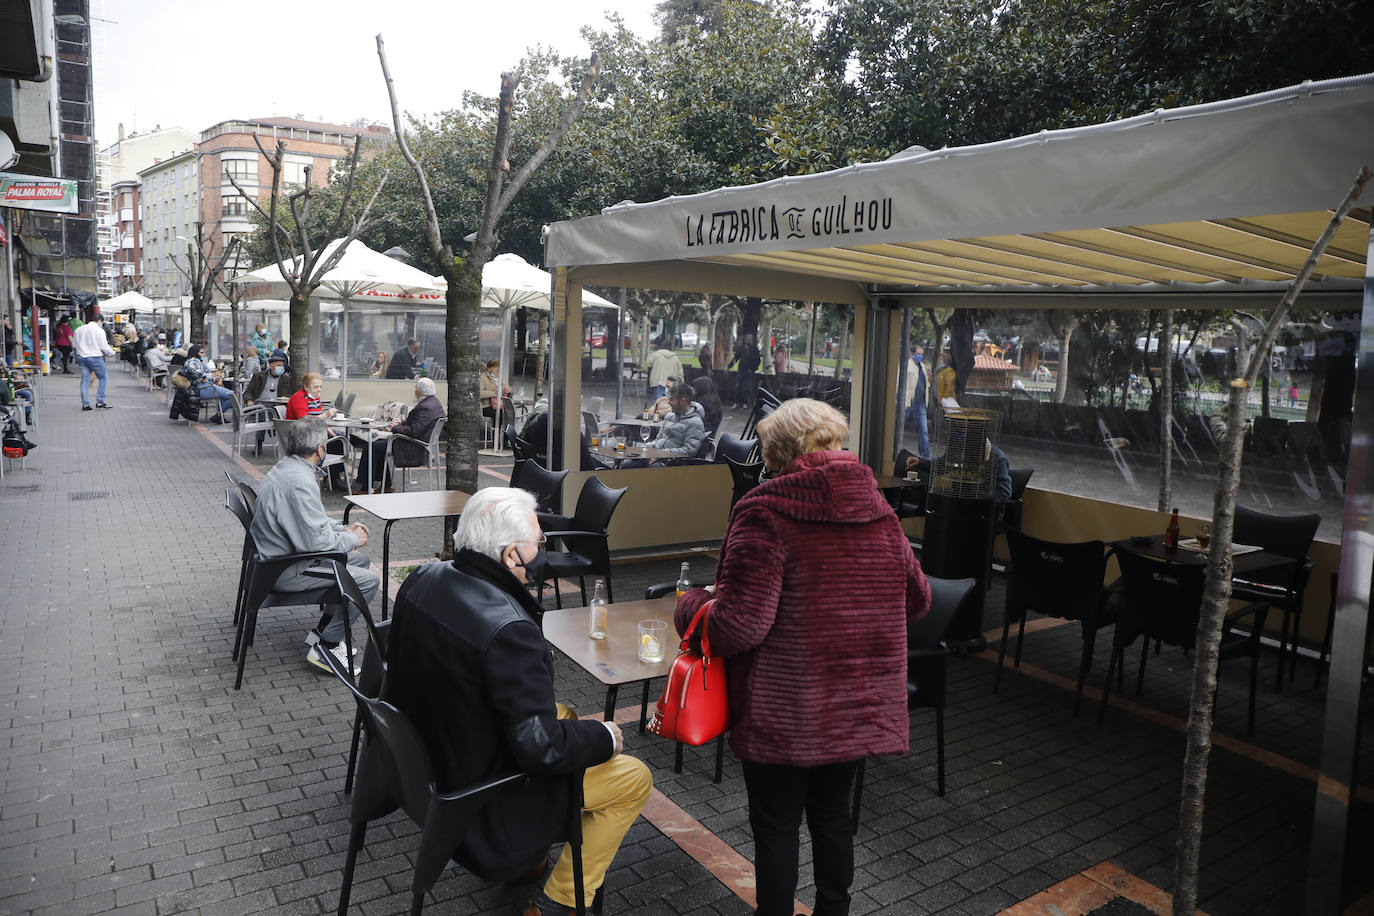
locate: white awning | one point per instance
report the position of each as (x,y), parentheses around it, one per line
(1221,197)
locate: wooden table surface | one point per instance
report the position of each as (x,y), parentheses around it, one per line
(613,660)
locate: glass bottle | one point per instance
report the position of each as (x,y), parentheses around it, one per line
(596,627)
(683,583)
(1171,533)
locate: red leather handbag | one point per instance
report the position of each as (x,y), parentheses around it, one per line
(694,707)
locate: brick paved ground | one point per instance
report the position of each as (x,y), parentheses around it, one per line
(133,777)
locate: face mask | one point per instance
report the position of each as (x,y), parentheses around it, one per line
(919,357)
(533,563)
(278,370)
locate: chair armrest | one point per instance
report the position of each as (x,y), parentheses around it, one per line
(1248,610)
(920,654)
(482,788)
(552,519)
(289,558)
(420,442)
(574,533)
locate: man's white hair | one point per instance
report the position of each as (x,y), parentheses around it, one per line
(425,386)
(495,518)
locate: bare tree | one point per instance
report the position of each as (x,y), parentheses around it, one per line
(1217,594)
(464,275)
(303,265)
(203,272)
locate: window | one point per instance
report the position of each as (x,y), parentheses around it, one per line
(241,170)
(293,173)
(234,205)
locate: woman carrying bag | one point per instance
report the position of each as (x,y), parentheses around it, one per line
(814,591)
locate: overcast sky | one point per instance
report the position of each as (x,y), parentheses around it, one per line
(194,63)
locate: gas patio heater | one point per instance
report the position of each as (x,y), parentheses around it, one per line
(961,511)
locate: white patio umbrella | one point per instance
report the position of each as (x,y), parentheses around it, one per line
(362,275)
(132,300)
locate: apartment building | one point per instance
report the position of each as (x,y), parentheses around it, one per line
(119,224)
(170,196)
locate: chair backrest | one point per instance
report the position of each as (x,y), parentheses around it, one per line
(946,597)
(507,405)
(282,427)
(593,405)
(1159,600)
(1019,478)
(354,595)
(590,424)
(595,505)
(522,449)
(1053,578)
(547,486)
(234,502)
(436,435)
(1286,535)
(745,477)
(249,491)
(736,449)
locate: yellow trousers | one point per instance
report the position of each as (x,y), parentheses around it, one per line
(613,794)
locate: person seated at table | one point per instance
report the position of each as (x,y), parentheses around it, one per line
(491,391)
(815,589)
(290,518)
(418,424)
(377,368)
(158,360)
(709,399)
(306,402)
(201,374)
(468,664)
(251,364)
(683,431)
(263,386)
(1001,470)
(536,433)
(404,360)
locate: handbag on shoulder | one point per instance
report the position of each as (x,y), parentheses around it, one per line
(694,707)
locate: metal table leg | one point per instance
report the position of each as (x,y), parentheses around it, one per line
(609,712)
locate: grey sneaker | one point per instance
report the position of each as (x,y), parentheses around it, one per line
(316,657)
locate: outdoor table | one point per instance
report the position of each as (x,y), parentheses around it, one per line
(635,424)
(614,661)
(893,482)
(368,427)
(1246,564)
(392,507)
(638,451)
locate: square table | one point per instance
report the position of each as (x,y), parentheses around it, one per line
(1245,565)
(614,660)
(392,507)
(367,427)
(643,452)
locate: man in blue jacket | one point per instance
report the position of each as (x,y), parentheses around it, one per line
(469,666)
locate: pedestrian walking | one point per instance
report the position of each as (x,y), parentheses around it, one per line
(91,349)
(62,339)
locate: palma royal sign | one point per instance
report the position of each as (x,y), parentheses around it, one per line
(32,192)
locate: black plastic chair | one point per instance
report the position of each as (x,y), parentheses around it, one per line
(547,486)
(925,670)
(660,590)
(257,578)
(765,402)
(1013,510)
(1289,536)
(1056,580)
(741,451)
(395,773)
(519,446)
(586,543)
(1162,601)
(744,476)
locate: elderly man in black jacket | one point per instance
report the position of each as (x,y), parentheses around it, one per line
(469,665)
(418,424)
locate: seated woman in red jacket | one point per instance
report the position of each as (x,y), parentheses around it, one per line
(306,403)
(814,591)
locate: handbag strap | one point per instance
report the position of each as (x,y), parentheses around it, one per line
(702,616)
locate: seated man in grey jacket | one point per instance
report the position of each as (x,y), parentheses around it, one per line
(683,431)
(290,518)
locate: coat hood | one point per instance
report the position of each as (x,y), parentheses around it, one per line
(821,486)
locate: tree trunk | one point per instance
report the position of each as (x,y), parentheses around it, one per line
(463,429)
(197,331)
(298,345)
(1061,378)
(1166,409)
(1217,593)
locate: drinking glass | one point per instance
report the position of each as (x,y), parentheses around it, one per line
(1204,536)
(652,636)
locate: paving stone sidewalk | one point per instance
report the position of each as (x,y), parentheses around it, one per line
(134,778)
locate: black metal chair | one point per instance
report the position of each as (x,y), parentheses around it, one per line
(745,478)
(1162,601)
(257,578)
(1290,536)
(741,451)
(1056,580)
(395,773)
(586,543)
(925,670)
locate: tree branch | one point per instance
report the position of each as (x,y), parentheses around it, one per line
(439,251)
(500,153)
(553,139)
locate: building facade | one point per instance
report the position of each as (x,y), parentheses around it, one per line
(170,197)
(119,225)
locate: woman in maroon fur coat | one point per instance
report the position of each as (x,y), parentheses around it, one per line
(814,591)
